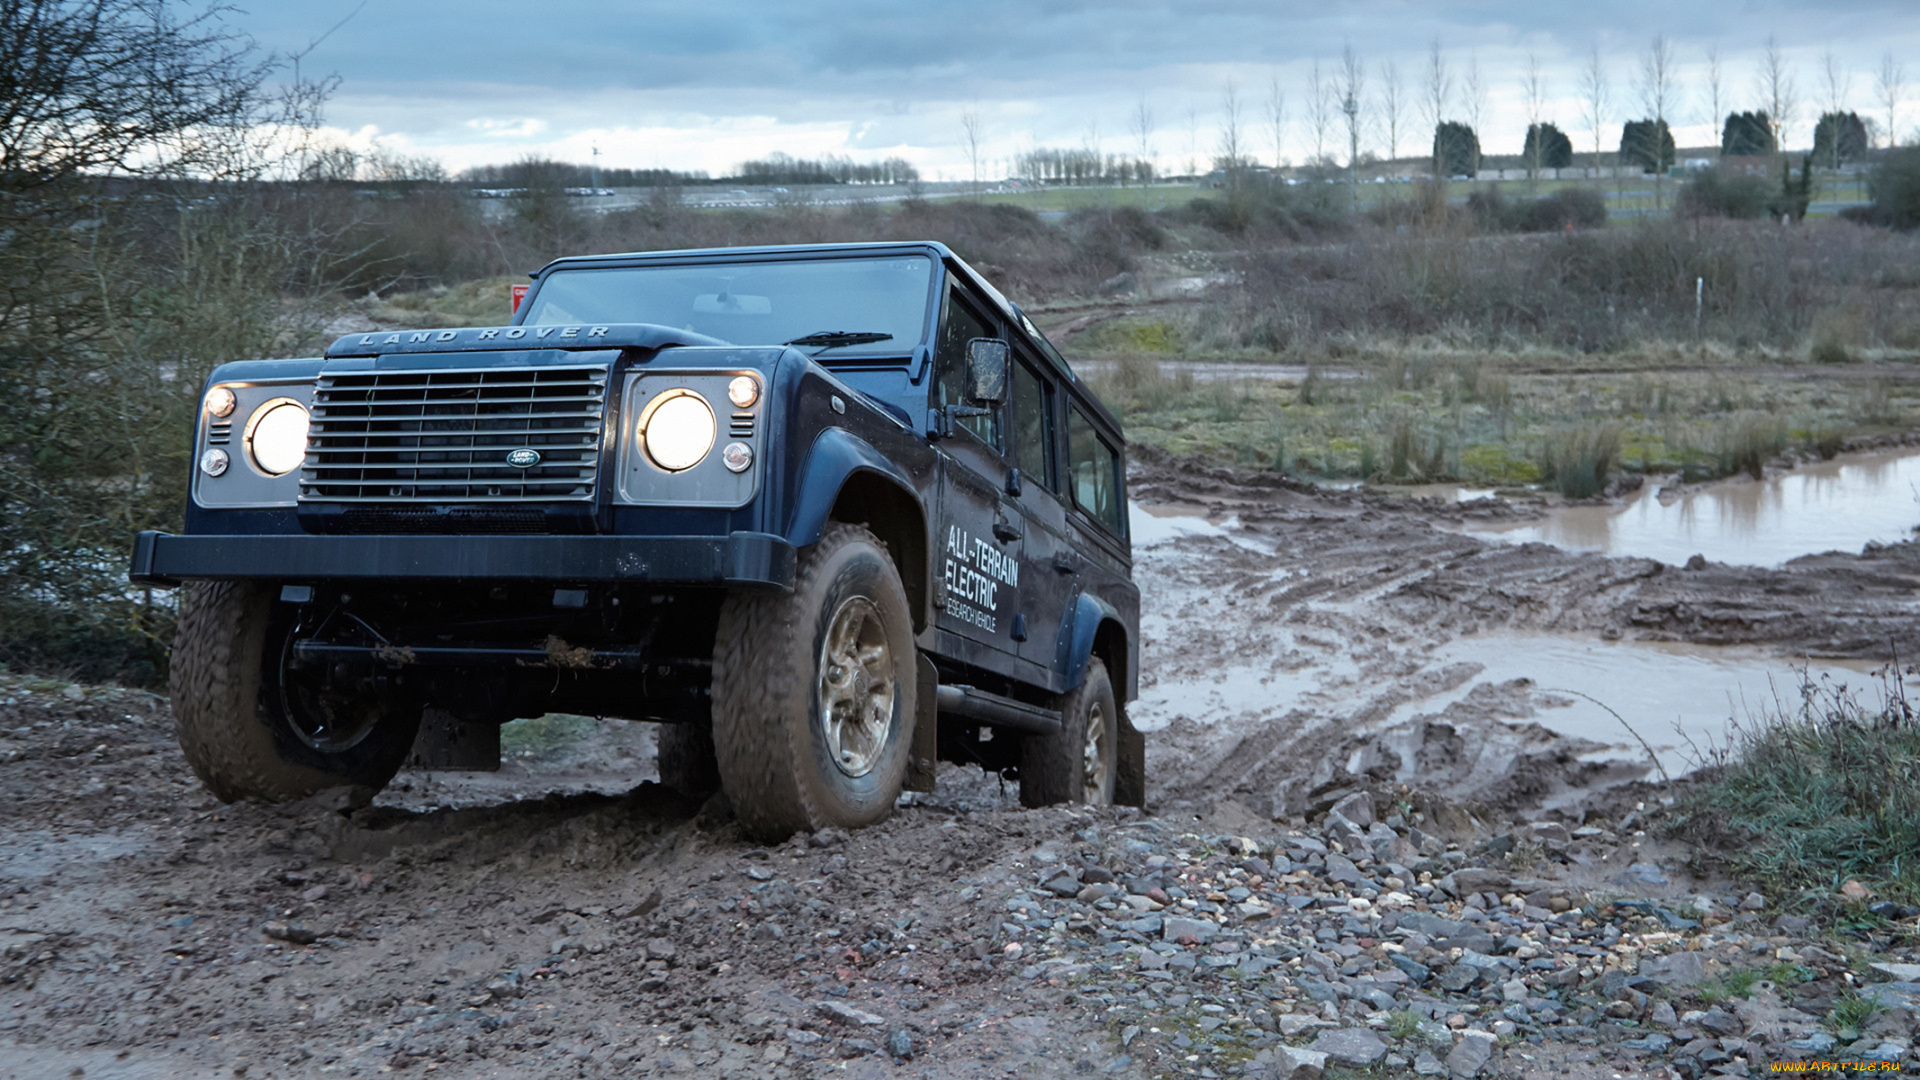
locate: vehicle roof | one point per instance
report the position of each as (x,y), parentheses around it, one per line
(1008,309)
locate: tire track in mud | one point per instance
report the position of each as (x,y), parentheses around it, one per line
(1329,615)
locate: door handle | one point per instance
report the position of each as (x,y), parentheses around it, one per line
(1005,532)
(1063,563)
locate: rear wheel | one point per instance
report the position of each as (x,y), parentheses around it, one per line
(1080,762)
(814,693)
(251,726)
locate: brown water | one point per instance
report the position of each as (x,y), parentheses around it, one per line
(1838,505)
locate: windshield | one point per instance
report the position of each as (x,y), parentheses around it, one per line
(833,308)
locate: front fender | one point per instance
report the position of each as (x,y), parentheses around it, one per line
(836,456)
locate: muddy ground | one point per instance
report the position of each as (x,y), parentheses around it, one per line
(568,917)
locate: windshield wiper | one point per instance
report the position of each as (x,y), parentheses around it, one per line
(833,339)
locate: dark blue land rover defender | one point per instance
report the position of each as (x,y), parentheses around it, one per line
(829,514)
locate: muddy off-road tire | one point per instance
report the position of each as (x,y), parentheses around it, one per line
(249,732)
(1080,763)
(814,693)
(684,757)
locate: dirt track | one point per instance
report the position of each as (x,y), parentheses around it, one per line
(556,920)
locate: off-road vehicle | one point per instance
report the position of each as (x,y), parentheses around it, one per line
(829,514)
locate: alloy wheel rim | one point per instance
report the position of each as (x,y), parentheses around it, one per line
(1097,773)
(857,686)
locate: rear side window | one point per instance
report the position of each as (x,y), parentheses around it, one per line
(1095,472)
(1032,426)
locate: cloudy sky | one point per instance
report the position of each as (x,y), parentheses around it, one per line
(706,84)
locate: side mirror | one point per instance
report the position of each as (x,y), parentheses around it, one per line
(987,370)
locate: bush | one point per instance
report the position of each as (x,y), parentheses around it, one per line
(1712,193)
(1895,186)
(1818,793)
(1579,459)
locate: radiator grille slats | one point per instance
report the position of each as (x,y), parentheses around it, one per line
(444,436)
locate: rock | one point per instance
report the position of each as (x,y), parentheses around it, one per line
(1294,1063)
(828,837)
(1474,879)
(1663,1015)
(1471,1054)
(1818,957)
(900,1044)
(1063,886)
(660,949)
(1853,890)
(1416,971)
(1121,284)
(1909,973)
(1622,1010)
(318,892)
(1551,832)
(1201,930)
(1357,808)
(1428,1065)
(1817,1043)
(847,1014)
(1350,1046)
(1754,902)
(1676,969)
(1291,1024)
(292,933)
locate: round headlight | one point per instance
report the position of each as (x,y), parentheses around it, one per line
(220,401)
(677,430)
(743,391)
(277,436)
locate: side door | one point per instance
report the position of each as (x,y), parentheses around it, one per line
(1049,568)
(977,543)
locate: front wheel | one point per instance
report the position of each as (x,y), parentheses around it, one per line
(254,728)
(814,692)
(1079,763)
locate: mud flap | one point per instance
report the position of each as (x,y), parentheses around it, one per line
(923,763)
(1130,783)
(445,742)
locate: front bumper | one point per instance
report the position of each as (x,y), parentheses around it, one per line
(740,559)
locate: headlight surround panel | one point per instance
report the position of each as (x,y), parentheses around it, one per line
(244,484)
(707,482)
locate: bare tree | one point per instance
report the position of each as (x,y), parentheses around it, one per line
(1890,85)
(1353,87)
(1533,87)
(1476,91)
(1230,135)
(1277,120)
(1716,97)
(1657,91)
(1777,92)
(1393,106)
(970,142)
(1319,111)
(1193,139)
(1835,81)
(1143,136)
(1595,94)
(1433,101)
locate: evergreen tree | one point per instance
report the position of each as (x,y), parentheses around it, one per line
(1457,148)
(1852,138)
(1747,134)
(1552,144)
(1648,144)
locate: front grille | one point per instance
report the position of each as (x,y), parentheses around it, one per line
(444,436)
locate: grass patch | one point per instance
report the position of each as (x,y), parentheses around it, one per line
(1820,792)
(1851,1013)
(1741,983)
(544,736)
(485,302)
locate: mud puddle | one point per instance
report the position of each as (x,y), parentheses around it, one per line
(1838,505)
(1682,699)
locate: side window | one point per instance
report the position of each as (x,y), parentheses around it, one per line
(1095,473)
(959,325)
(1033,427)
